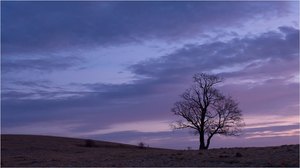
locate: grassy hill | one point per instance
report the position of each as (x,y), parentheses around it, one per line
(31,150)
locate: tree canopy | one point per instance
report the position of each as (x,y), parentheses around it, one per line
(206,110)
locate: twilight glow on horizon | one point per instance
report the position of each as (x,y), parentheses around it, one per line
(113,70)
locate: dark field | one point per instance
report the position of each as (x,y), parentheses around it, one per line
(28,150)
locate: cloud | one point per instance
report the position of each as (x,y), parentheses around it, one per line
(282,125)
(253,121)
(138,126)
(270,134)
(45,64)
(29,27)
(259,73)
(271,46)
(163,79)
(58,128)
(36,84)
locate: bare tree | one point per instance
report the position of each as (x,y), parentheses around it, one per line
(207,111)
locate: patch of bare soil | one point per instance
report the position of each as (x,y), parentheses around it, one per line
(31,151)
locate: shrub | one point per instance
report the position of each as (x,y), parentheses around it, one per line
(141,145)
(90,143)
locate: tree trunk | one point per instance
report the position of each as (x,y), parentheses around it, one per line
(201,131)
(208,142)
(201,140)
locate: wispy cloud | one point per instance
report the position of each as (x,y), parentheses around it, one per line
(47,64)
(269,46)
(35,27)
(266,134)
(58,128)
(138,126)
(271,120)
(112,70)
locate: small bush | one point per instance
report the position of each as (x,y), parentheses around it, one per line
(90,143)
(141,145)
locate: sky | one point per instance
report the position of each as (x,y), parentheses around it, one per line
(113,70)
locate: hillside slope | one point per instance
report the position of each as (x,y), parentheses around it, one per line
(29,150)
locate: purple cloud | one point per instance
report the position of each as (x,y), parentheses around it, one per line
(40,26)
(261,70)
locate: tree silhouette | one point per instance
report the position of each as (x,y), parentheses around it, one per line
(207,111)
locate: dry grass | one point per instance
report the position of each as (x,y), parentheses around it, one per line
(25,150)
